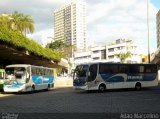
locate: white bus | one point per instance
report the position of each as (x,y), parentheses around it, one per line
(24,77)
(102,76)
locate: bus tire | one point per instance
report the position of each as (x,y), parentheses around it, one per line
(102,88)
(48,87)
(138,86)
(33,89)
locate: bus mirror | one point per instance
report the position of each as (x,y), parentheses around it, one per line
(27,80)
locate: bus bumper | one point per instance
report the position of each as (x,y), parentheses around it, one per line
(80,87)
(9,90)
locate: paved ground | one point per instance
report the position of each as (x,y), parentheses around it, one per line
(68,101)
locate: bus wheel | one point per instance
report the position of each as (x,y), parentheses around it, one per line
(32,89)
(138,86)
(102,88)
(48,88)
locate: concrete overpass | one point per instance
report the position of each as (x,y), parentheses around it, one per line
(11,55)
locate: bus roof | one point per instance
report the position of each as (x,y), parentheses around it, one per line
(116,63)
(26,65)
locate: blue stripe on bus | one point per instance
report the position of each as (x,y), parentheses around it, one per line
(42,79)
(130,77)
(112,78)
(15,86)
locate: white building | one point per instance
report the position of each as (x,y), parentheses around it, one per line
(70,24)
(155,56)
(158,28)
(108,53)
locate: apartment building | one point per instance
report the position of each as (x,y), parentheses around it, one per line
(70,24)
(155,56)
(108,53)
(158,28)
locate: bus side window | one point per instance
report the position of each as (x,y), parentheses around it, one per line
(93,72)
(114,69)
(48,72)
(123,69)
(153,68)
(33,70)
(103,69)
(134,69)
(42,72)
(148,69)
(45,72)
(38,71)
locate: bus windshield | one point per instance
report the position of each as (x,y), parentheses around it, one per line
(16,74)
(80,72)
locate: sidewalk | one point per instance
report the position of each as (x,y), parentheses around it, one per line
(5,95)
(63,83)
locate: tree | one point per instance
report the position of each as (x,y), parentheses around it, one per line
(123,56)
(56,45)
(64,48)
(18,22)
(23,23)
(6,20)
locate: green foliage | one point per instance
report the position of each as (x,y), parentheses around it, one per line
(123,56)
(16,39)
(64,48)
(18,22)
(57,45)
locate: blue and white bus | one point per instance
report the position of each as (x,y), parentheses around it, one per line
(24,77)
(102,76)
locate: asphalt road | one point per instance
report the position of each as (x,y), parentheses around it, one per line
(63,101)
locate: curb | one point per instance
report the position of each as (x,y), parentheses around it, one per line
(4,95)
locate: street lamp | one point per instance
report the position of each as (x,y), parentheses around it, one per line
(148,31)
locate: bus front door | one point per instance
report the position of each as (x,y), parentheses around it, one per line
(92,76)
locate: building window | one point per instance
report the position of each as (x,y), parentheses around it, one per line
(111,57)
(111,49)
(96,58)
(96,51)
(103,54)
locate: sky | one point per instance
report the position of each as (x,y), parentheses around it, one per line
(107,20)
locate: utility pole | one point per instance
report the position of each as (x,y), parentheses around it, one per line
(148,31)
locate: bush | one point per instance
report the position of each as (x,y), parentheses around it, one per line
(17,40)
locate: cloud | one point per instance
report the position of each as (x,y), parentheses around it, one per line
(114,19)
(42,37)
(107,19)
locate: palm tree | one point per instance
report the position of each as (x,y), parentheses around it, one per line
(27,24)
(123,56)
(23,23)
(16,18)
(18,22)
(6,20)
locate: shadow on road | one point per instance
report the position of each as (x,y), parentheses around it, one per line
(154,89)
